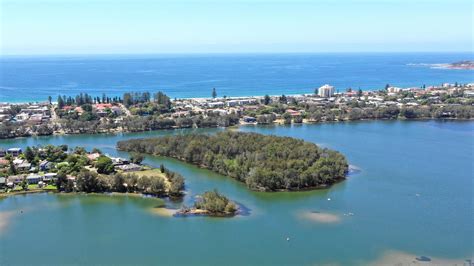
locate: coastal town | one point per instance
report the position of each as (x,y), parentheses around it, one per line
(142,111)
(60,169)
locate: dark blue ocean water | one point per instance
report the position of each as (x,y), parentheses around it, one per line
(34,78)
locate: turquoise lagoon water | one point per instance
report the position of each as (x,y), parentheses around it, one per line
(413,194)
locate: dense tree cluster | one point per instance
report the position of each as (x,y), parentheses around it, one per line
(215,203)
(146,123)
(22,129)
(89,181)
(84,98)
(262,162)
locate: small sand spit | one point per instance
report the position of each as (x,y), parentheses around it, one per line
(320,217)
(397,258)
(164,212)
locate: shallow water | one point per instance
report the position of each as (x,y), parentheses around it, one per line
(412,197)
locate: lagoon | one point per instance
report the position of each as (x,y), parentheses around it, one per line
(413,196)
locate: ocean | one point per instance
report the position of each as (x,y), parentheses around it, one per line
(35,78)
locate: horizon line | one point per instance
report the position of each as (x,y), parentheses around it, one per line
(227,53)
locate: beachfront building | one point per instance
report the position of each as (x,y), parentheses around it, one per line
(394,89)
(215,105)
(326,91)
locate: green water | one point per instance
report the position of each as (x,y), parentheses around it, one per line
(413,194)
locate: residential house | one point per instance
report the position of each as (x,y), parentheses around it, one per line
(24,166)
(215,105)
(34,179)
(249,119)
(22,117)
(14,151)
(119,161)
(4,163)
(18,161)
(15,179)
(129,167)
(93,156)
(45,165)
(293,112)
(49,177)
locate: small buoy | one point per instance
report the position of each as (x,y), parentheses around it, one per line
(329,198)
(287,239)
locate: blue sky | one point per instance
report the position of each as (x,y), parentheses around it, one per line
(167,26)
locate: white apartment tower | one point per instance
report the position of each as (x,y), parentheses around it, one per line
(326,91)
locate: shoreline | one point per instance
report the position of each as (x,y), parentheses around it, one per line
(275,123)
(199,212)
(38,191)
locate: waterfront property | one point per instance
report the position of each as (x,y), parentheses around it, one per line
(14,151)
(142,111)
(79,171)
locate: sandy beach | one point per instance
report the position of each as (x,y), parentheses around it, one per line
(164,212)
(395,257)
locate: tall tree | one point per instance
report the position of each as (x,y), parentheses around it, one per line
(60,102)
(266,100)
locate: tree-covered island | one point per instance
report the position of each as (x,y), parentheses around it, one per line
(211,203)
(58,168)
(264,163)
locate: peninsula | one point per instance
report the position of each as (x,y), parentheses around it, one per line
(262,162)
(60,169)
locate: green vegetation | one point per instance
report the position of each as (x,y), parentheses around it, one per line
(152,182)
(215,203)
(136,158)
(77,173)
(266,163)
(104,165)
